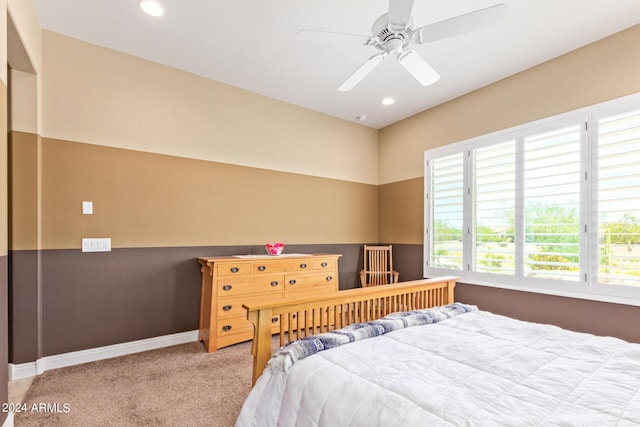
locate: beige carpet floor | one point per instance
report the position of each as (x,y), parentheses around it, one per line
(174,386)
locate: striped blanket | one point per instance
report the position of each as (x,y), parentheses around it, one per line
(290,353)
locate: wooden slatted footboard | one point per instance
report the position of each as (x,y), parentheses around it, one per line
(304,317)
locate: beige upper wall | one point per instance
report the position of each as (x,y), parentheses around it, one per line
(4,184)
(25,21)
(3,44)
(24,102)
(604,70)
(23,183)
(100,96)
(150,200)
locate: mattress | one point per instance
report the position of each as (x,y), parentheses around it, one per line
(474,369)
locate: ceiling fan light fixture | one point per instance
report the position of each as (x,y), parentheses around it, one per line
(151,7)
(393,46)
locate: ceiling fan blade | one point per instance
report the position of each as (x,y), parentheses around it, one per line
(418,67)
(327,36)
(399,12)
(468,22)
(361,72)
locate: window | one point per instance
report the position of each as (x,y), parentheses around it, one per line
(494,208)
(618,195)
(551,206)
(447,211)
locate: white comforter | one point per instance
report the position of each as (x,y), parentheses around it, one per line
(476,369)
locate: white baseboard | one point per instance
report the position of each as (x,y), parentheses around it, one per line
(30,369)
(8,422)
(22,370)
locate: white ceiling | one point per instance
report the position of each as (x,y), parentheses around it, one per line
(252,44)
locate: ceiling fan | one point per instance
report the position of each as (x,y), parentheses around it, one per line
(395,32)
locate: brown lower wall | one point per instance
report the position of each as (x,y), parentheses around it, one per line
(96,299)
(4,322)
(23,306)
(594,317)
(407,260)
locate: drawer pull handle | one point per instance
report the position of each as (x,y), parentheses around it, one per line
(274,283)
(292,281)
(329,278)
(234,269)
(274,320)
(227,307)
(227,287)
(262,268)
(324,264)
(226,328)
(303,265)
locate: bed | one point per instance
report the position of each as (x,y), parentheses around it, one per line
(449,364)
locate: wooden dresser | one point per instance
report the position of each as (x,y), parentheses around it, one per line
(228,282)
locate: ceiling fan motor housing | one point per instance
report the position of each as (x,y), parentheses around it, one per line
(392,38)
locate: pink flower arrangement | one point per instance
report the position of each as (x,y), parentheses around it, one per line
(274,248)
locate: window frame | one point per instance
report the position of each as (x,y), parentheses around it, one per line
(586,287)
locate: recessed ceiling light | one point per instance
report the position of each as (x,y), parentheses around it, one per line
(361,117)
(151,7)
(388,101)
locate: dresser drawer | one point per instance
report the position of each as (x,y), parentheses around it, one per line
(231,307)
(240,268)
(301,264)
(232,286)
(240,325)
(324,264)
(233,325)
(321,280)
(268,266)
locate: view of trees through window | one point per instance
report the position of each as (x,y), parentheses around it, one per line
(541,227)
(494,208)
(447,211)
(619,199)
(552,204)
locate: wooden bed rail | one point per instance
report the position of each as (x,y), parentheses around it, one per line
(305,317)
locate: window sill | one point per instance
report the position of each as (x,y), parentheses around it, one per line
(555,292)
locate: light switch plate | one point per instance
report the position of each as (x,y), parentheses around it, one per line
(96,245)
(87,208)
